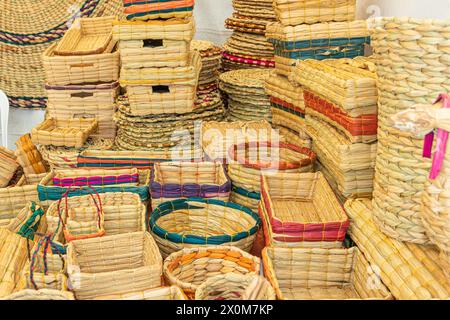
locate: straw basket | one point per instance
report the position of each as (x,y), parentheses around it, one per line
(189,268)
(131,259)
(175,180)
(43,294)
(138,10)
(245,198)
(29,157)
(302,207)
(64,133)
(163,293)
(233,286)
(8,166)
(411,271)
(292,137)
(289,118)
(321,274)
(281,88)
(195,222)
(100,177)
(250,159)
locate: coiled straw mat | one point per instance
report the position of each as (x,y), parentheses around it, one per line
(28,28)
(413,59)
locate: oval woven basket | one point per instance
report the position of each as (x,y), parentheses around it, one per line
(196,222)
(189,268)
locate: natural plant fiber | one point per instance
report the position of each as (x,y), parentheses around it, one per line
(289,118)
(281,88)
(158,9)
(8,166)
(245,198)
(189,268)
(163,293)
(29,157)
(42,294)
(291,137)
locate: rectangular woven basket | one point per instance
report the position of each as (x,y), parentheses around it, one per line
(83,177)
(8,166)
(159,9)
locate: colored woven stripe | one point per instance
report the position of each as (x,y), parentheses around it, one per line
(234,58)
(246,193)
(95,181)
(322,54)
(28,102)
(286,105)
(95,162)
(290,110)
(319,43)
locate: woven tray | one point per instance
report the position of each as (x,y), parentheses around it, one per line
(138,10)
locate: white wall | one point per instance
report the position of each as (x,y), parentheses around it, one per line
(210,17)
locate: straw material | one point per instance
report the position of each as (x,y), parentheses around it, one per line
(8,166)
(210,56)
(233,286)
(163,293)
(122,177)
(176,180)
(197,222)
(322,274)
(284,66)
(64,133)
(43,294)
(247,24)
(282,89)
(29,157)
(159,9)
(189,268)
(260,9)
(113,265)
(291,137)
(86,36)
(28,28)
(287,117)
(294,12)
(401,170)
(302,207)
(410,271)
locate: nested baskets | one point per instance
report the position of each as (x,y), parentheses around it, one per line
(64,133)
(131,259)
(301,207)
(195,222)
(175,180)
(86,36)
(295,12)
(149,10)
(163,293)
(8,166)
(189,268)
(29,157)
(234,286)
(322,274)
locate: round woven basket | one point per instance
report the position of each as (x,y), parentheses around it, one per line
(189,268)
(411,56)
(195,222)
(233,286)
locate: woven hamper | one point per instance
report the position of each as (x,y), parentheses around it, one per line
(195,222)
(163,293)
(131,259)
(167,9)
(189,268)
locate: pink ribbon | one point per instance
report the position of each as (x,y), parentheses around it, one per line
(441,142)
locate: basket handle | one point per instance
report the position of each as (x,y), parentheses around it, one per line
(82,94)
(82,65)
(83,116)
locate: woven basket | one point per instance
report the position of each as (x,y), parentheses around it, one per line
(245,198)
(321,274)
(131,259)
(302,207)
(233,286)
(163,293)
(8,166)
(281,88)
(86,36)
(67,133)
(29,157)
(292,137)
(176,180)
(284,66)
(194,222)
(99,177)
(43,294)
(400,176)
(167,9)
(250,159)
(294,12)
(189,268)
(411,271)
(289,118)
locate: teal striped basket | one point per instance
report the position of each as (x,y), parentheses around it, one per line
(246,198)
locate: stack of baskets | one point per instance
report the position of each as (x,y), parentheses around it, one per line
(210,54)
(340,97)
(81,75)
(247,46)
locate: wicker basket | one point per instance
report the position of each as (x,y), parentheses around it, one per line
(43,294)
(176,180)
(64,133)
(86,36)
(321,274)
(282,89)
(163,293)
(138,10)
(245,198)
(412,272)
(234,286)
(189,268)
(294,12)
(65,70)
(131,259)
(292,137)
(29,157)
(195,222)
(302,207)
(99,177)
(8,166)
(291,119)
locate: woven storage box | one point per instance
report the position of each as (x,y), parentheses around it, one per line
(286,116)
(86,36)
(29,157)
(43,294)
(233,286)
(175,180)
(302,207)
(8,166)
(319,41)
(131,259)
(64,70)
(292,137)
(411,272)
(194,222)
(100,177)
(189,268)
(49,192)
(67,133)
(294,12)
(281,88)
(245,198)
(163,293)
(250,159)
(166,9)
(321,274)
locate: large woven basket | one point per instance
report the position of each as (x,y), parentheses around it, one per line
(8,166)
(163,293)
(29,157)
(189,268)
(175,180)
(248,199)
(197,222)
(138,10)
(321,274)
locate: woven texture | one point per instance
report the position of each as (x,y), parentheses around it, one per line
(158,9)
(163,293)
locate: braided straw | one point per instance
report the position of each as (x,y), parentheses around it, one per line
(411,57)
